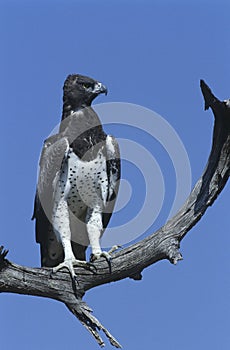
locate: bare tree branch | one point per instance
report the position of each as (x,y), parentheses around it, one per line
(129,262)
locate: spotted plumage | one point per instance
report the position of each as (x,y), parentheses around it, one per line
(78,181)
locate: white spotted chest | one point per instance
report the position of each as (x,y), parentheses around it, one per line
(87,183)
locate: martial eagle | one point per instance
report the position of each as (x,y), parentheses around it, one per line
(78,181)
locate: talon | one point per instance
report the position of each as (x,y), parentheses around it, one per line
(106,255)
(108,259)
(75,279)
(114,248)
(90,265)
(51,273)
(69,264)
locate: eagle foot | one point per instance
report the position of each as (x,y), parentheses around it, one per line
(106,255)
(69,264)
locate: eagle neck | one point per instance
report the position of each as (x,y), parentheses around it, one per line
(68,109)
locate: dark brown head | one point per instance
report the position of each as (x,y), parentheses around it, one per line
(80,91)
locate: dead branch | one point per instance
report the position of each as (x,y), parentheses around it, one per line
(129,262)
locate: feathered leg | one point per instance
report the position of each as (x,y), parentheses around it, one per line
(94,229)
(61,224)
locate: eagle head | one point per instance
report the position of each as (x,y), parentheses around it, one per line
(80,91)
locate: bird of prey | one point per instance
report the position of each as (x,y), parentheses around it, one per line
(79,172)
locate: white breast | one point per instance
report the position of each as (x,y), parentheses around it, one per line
(88,181)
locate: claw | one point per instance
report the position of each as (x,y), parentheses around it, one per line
(107,257)
(90,265)
(114,248)
(69,264)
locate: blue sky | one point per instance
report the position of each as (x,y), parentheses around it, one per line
(150,53)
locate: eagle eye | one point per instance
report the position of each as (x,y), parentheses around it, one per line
(85,85)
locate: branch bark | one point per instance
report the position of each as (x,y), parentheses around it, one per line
(129,262)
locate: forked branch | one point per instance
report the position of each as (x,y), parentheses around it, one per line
(129,262)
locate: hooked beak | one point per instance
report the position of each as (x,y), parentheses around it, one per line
(99,88)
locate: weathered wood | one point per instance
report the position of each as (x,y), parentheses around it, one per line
(129,262)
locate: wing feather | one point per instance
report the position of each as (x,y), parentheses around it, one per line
(54,151)
(114,174)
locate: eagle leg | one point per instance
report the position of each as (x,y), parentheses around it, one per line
(61,220)
(94,229)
